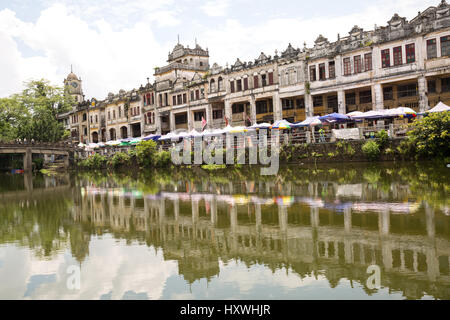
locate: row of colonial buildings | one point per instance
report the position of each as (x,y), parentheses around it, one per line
(405,63)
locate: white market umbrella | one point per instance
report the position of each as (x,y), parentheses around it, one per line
(194,133)
(355,114)
(440,107)
(169,136)
(93,146)
(81,145)
(112,143)
(263,125)
(311,121)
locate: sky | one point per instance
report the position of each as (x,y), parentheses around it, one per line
(116,44)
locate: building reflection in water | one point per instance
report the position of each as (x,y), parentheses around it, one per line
(336,231)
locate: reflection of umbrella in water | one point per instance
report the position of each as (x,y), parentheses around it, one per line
(284,201)
(380,207)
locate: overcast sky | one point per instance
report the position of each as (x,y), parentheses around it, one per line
(115,44)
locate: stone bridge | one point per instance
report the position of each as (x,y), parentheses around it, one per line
(29,148)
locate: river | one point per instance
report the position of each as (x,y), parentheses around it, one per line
(355,231)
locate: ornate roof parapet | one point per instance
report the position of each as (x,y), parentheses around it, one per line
(262,59)
(397,22)
(216,69)
(320,42)
(290,52)
(180,51)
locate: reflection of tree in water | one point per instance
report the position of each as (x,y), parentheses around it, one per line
(37,224)
(79,242)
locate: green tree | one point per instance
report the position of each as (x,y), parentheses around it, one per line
(43,102)
(12,114)
(430,136)
(145,153)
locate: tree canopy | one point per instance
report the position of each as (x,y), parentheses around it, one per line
(32,114)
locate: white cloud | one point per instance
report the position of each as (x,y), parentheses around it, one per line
(216,8)
(116,44)
(107,60)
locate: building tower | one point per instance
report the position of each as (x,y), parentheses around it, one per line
(73,86)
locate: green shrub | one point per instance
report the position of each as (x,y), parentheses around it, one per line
(145,153)
(120,159)
(163,159)
(430,136)
(382,138)
(371,150)
(96,161)
(389,151)
(349,150)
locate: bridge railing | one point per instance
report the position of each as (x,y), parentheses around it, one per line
(37,144)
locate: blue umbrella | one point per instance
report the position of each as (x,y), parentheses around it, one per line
(153,137)
(335,117)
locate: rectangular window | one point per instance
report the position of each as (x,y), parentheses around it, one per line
(409,90)
(357,64)
(160,100)
(312,73)
(410,53)
(184,97)
(350,98)
(232,86)
(245,83)
(261,107)
(287,104)
(388,93)
(445,85)
(192,95)
(332,103)
(385,58)
(238,85)
(445,46)
(179,99)
(270,78)
(368,61)
(322,75)
(217,114)
(96,119)
(317,101)
(109,115)
(174,100)
(181,118)
(300,103)
(331,70)
(398,58)
(199,115)
(114,114)
(431,84)
(347,67)
(255,82)
(431,49)
(91,120)
(197,94)
(237,108)
(365,97)
(263,80)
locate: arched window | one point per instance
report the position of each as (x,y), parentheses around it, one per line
(220,84)
(212,86)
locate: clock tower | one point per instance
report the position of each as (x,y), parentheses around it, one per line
(73,86)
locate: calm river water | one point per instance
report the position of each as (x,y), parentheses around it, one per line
(307,233)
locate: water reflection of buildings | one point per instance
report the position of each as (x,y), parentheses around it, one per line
(309,235)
